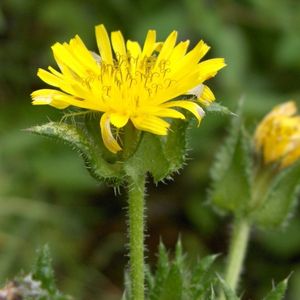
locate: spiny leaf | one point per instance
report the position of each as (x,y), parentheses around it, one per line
(149,278)
(278,291)
(43,270)
(84,139)
(225,153)
(176,279)
(229,293)
(43,273)
(201,281)
(173,285)
(217,107)
(127,284)
(232,164)
(280,200)
(163,268)
(212,295)
(179,256)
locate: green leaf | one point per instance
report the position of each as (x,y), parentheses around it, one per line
(43,270)
(279,201)
(176,279)
(85,138)
(278,291)
(229,293)
(212,295)
(43,273)
(173,285)
(127,284)
(231,171)
(149,278)
(218,108)
(202,280)
(163,268)
(179,255)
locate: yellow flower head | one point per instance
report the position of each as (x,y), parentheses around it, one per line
(278,135)
(129,82)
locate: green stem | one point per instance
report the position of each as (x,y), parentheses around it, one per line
(136,190)
(237,252)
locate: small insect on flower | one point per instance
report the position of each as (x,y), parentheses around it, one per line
(277,137)
(130,83)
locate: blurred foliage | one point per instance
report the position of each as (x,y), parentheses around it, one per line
(47,196)
(266,196)
(175,279)
(37,285)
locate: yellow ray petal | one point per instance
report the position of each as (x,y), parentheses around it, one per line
(167,48)
(149,44)
(118,44)
(202,48)
(47,97)
(166,113)
(210,67)
(61,53)
(183,67)
(54,72)
(207,96)
(134,48)
(60,100)
(49,78)
(82,54)
(193,107)
(118,120)
(103,44)
(178,52)
(151,124)
(108,139)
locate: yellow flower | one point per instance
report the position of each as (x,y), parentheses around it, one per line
(129,82)
(278,135)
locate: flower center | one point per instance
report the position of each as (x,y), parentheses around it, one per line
(131,76)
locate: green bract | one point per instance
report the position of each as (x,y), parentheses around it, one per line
(241,186)
(143,152)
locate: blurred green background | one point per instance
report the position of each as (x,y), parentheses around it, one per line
(46,195)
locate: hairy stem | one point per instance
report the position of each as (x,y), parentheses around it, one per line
(237,252)
(136,190)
